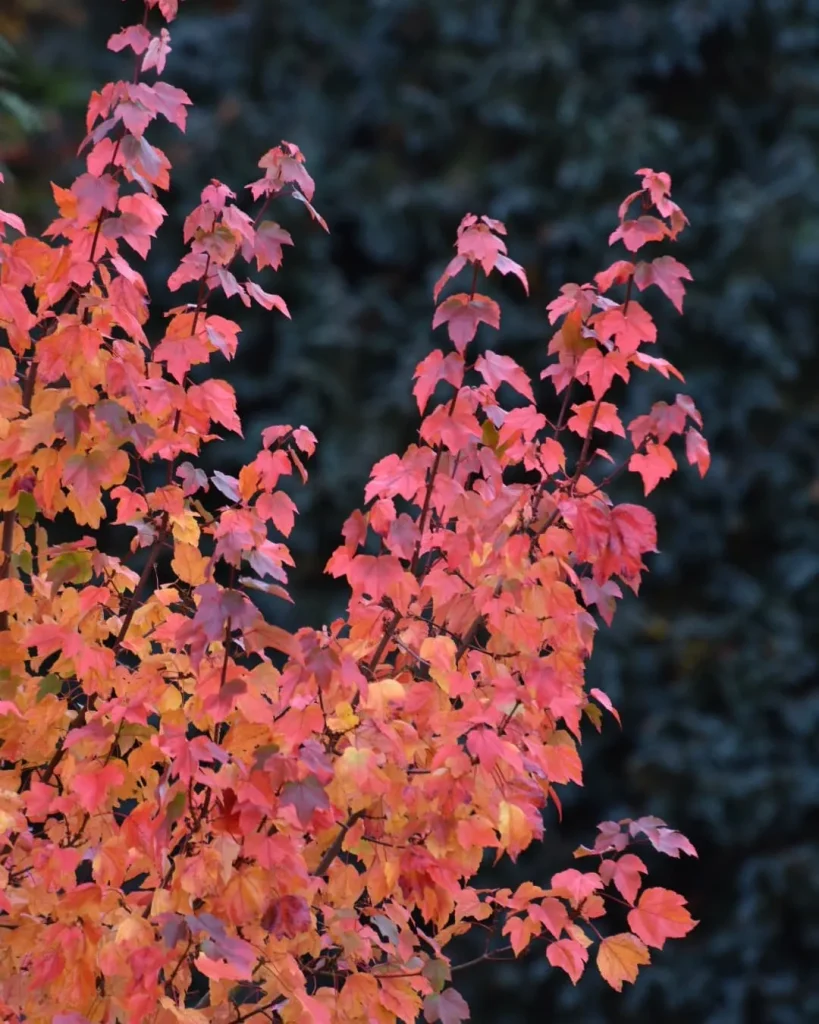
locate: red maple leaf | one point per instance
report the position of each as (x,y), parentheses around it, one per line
(94,195)
(497,370)
(285,164)
(666,840)
(569,955)
(449,1007)
(462,313)
(92,786)
(602,367)
(380,575)
(618,273)
(287,916)
(432,370)
(267,299)
(696,450)
(478,243)
(629,326)
(454,429)
(603,414)
(157,52)
(307,797)
(657,464)
(268,242)
(663,421)
(668,274)
(575,885)
(635,233)
(625,873)
(573,297)
(394,475)
(659,915)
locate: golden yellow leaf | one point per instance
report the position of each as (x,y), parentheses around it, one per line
(620,957)
(185,528)
(344,718)
(188,563)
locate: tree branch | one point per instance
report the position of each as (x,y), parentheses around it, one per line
(334,849)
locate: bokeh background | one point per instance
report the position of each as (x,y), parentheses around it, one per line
(538,112)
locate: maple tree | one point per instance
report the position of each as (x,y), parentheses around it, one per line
(204,817)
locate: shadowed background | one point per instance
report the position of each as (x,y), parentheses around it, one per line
(410,113)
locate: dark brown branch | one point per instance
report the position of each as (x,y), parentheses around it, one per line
(334,849)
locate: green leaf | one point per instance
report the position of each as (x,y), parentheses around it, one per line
(489,434)
(136,731)
(26,508)
(72,566)
(176,806)
(437,974)
(595,715)
(264,752)
(51,683)
(23,561)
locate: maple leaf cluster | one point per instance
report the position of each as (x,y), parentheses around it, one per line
(204,817)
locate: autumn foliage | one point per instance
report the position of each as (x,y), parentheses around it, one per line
(204,817)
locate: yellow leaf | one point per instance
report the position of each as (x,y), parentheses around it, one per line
(381,694)
(439,652)
(248,481)
(572,339)
(12,592)
(577,933)
(185,528)
(170,700)
(134,929)
(489,434)
(515,831)
(189,563)
(184,1016)
(620,957)
(359,993)
(344,718)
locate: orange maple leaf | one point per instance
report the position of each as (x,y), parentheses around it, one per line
(620,957)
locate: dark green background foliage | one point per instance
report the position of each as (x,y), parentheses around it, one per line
(538,112)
